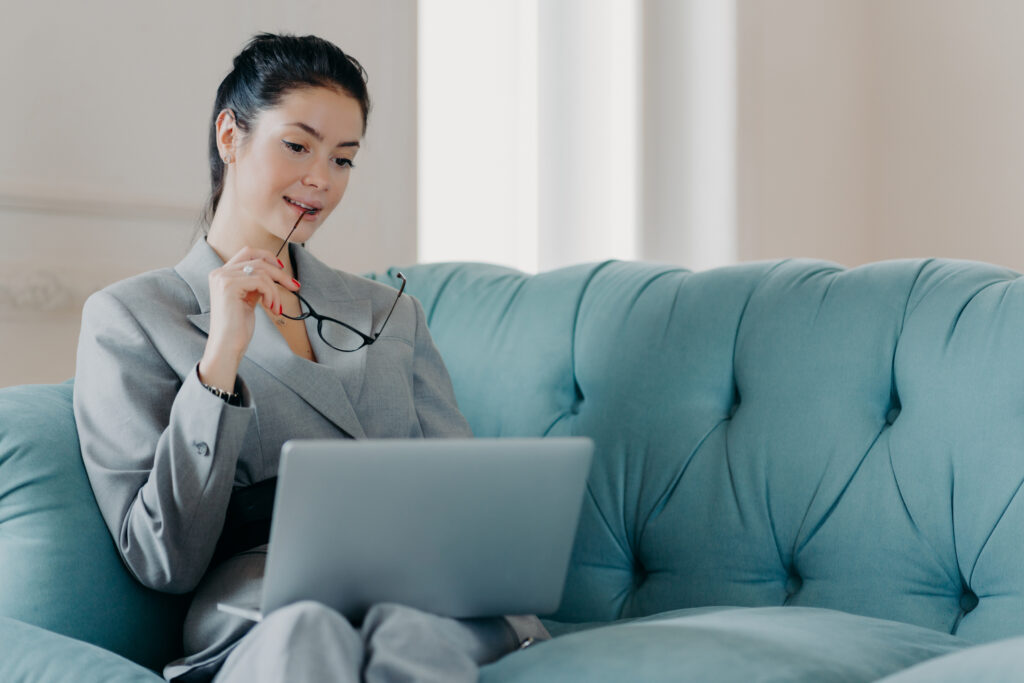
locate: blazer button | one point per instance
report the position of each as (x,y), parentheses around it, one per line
(201,448)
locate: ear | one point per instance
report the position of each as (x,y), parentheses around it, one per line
(227,134)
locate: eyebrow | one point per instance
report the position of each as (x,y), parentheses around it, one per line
(315,133)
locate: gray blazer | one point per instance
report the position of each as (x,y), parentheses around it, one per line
(163,454)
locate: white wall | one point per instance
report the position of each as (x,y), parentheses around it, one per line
(876,129)
(803,137)
(104,173)
(947,130)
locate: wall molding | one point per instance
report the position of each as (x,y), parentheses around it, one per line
(80,204)
(39,292)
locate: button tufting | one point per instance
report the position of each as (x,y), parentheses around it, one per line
(577,399)
(793,584)
(968,601)
(639,574)
(735,401)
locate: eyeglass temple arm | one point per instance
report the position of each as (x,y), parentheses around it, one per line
(401,289)
(301,216)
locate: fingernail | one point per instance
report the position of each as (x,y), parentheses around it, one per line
(297,285)
(279,263)
(280,309)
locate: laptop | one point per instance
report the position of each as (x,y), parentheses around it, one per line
(456,527)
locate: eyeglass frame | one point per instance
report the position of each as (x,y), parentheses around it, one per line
(367,340)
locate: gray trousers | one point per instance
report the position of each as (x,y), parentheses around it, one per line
(307,641)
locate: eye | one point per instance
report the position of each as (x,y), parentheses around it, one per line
(344,163)
(294,146)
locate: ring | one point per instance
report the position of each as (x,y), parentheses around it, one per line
(248,269)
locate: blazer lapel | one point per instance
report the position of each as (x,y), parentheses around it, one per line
(324,386)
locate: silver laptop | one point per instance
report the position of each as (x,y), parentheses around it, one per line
(456,527)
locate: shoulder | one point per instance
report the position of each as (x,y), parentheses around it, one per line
(148,295)
(382,295)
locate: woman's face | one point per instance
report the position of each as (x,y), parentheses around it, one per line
(299,152)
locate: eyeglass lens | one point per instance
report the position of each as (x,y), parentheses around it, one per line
(339,336)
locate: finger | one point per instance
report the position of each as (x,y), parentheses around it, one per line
(267,296)
(254,288)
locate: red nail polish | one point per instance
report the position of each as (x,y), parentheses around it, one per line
(279,263)
(296,282)
(280,309)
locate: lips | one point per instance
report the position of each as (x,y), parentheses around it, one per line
(310,206)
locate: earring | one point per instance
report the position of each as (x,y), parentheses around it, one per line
(227,158)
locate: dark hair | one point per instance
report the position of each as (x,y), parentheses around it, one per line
(268,68)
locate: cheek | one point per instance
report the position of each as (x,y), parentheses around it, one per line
(259,177)
(268,169)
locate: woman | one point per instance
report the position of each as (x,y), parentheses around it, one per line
(190,379)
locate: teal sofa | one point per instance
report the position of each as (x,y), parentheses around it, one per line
(802,473)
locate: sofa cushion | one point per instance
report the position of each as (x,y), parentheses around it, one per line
(997,662)
(29,654)
(791,644)
(60,569)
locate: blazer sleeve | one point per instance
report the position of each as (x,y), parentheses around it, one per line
(433,395)
(160,450)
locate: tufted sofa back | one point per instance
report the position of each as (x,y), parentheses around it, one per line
(785,433)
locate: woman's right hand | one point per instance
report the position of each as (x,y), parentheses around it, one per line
(234,295)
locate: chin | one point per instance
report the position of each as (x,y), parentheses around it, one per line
(303,234)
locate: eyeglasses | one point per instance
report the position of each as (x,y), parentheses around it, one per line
(339,335)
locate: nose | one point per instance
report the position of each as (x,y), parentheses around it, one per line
(316,175)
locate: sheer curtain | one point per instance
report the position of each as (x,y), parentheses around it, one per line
(554,132)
